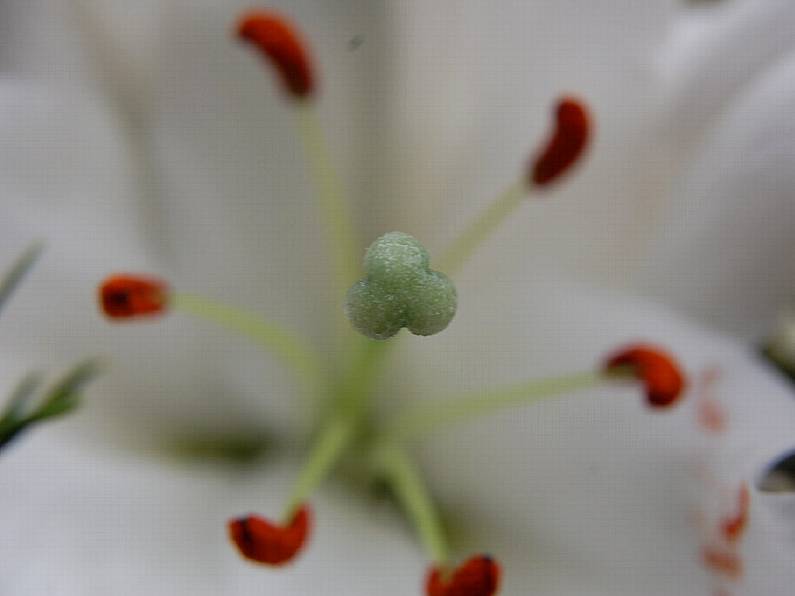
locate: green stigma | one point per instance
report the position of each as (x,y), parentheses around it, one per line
(400,290)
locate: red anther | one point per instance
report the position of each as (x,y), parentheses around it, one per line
(567,143)
(127,296)
(658,370)
(722,562)
(280,43)
(259,540)
(733,527)
(479,576)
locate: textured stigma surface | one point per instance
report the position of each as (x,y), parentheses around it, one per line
(400,290)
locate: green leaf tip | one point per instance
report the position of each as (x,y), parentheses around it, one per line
(19,414)
(19,270)
(400,290)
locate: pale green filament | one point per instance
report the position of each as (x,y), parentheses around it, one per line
(404,478)
(479,230)
(400,290)
(427,417)
(336,212)
(304,362)
(350,403)
(332,442)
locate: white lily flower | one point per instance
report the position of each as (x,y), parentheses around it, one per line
(144,138)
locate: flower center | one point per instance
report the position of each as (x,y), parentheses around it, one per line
(398,289)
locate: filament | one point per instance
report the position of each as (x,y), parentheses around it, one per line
(464,246)
(304,362)
(404,478)
(336,212)
(427,417)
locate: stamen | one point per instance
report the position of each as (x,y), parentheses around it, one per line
(659,374)
(280,43)
(126,296)
(290,349)
(261,541)
(566,145)
(563,150)
(403,477)
(400,290)
(658,370)
(478,576)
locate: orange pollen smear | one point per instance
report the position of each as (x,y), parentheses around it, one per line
(126,296)
(726,563)
(280,43)
(568,142)
(659,371)
(259,540)
(479,576)
(712,416)
(734,527)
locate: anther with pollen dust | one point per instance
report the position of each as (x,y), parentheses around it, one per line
(279,42)
(261,541)
(570,137)
(478,576)
(663,380)
(127,296)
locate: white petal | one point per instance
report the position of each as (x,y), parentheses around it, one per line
(473,101)
(87,523)
(178,157)
(67,180)
(725,252)
(711,56)
(592,493)
(595,487)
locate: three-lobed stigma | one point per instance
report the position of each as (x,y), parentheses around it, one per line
(400,290)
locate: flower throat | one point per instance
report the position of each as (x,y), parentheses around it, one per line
(400,286)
